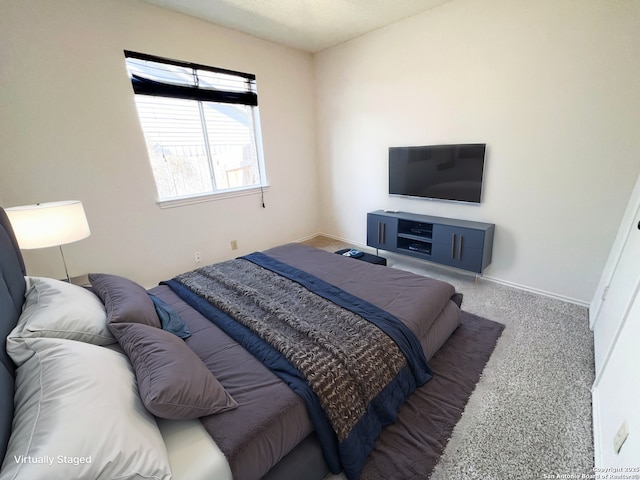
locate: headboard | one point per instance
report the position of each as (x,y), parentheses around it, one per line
(12,289)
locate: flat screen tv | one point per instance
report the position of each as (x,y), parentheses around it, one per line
(443,172)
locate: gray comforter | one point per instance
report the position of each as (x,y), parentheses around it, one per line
(271,419)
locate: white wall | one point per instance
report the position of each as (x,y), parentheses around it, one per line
(69,130)
(551,86)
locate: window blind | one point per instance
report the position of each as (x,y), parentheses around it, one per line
(158,76)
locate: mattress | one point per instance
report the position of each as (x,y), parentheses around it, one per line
(271,420)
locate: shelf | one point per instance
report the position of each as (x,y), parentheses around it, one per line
(417,238)
(412,251)
(414,244)
(412,229)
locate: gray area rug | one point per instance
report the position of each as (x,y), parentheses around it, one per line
(410,447)
(530,413)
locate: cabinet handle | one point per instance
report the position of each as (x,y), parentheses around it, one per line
(382,232)
(453,246)
(460,248)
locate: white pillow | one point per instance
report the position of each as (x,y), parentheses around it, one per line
(61,310)
(78,416)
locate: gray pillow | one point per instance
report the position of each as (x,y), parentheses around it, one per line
(58,309)
(172,380)
(124,299)
(77,399)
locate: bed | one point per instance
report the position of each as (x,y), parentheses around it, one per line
(122,395)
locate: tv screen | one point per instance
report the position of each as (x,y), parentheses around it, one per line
(444,172)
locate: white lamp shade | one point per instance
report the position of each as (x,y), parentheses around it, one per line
(48,224)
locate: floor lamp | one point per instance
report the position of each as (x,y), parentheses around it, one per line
(51,224)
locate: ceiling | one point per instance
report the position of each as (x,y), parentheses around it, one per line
(309,25)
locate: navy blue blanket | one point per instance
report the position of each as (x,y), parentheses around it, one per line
(350,453)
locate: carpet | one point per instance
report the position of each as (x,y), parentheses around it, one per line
(410,448)
(530,413)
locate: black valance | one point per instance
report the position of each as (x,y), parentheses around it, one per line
(144,86)
(163,77)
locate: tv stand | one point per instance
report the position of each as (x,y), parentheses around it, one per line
(456,243)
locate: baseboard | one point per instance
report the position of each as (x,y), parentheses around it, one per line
(361,246)
(309,237)
(544,293)
(507,283)
(320,234)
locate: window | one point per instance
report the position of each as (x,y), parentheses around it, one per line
(200,124)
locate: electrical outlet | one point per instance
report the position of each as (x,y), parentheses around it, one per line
(234,244)
(197,256)
(621,436)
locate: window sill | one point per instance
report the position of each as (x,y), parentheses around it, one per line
(209,197)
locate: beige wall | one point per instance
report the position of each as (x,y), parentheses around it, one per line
(552,87)
(69,130)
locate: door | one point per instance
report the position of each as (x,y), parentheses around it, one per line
(626,225)
(382,231)
(616,330)
(615,397)
(618,294)
(458,247)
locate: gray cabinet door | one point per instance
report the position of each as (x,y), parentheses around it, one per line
(382,231)
(458,247)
